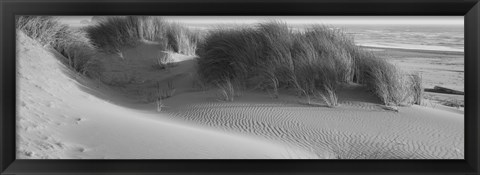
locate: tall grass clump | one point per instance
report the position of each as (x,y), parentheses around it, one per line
(278,61)
(227,91)
(228,54)
(72,43)
(417,88)
(181,39)
(386,81)
(44,29)
(322,59)
(115,33)
(313,62)
(328,92)
(269,56)
(335,50)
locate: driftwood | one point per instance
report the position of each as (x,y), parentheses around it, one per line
(444,90)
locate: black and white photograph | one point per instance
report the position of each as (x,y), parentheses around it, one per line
(240,87)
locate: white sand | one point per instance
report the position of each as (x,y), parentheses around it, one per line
(356,129)
(59,118)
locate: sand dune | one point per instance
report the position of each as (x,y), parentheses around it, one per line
(62,115)
(57,118)
(359,128)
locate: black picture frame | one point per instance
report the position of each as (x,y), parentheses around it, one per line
(470,9)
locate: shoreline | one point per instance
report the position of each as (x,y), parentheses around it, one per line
(457,53)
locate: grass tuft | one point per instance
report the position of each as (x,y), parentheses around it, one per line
(111,34)
(72,43)
(386,81)
(417,88)
(227,91)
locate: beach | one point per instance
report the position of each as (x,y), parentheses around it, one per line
(149,103)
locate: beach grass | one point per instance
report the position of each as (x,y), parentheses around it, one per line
(115,33)
(417,88)
(72,43)
(269,56)
(311,62)
(393,86)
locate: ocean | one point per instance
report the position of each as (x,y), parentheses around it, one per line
(423,37)
(417,37)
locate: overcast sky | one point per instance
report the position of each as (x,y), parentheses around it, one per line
(427,20)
